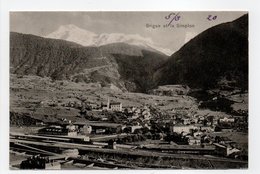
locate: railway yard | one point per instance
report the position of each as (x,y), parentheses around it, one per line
(71,152)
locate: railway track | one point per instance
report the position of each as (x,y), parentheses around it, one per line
(135,152)
(98,148)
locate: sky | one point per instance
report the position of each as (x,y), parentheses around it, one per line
(172,38)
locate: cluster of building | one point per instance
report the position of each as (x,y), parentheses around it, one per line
(192,129)
(143,113)
(108,106)
(197,130)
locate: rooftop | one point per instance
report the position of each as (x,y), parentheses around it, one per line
(104,124)
(115,103)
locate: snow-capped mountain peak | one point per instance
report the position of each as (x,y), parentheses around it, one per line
(74,34)
(87,38)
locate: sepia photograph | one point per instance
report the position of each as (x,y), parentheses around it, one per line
(129,90)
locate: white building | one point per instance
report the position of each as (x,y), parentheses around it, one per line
(182,128)
(227,120)
(116,106)
(113,106)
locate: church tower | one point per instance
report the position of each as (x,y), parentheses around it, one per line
(108,103)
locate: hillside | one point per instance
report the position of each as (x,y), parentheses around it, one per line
(216,58)
(139,70)
(59,59)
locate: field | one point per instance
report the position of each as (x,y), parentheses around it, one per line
(46,100)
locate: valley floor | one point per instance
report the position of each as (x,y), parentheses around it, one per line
(36,103)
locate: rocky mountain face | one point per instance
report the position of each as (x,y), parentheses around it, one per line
(120,64)
(216,58)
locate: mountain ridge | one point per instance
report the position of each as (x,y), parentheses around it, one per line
(219,53)
(87,38)
(216,58)
(60,59)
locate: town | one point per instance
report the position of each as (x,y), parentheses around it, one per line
(110,125)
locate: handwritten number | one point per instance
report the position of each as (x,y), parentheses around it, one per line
(212,18)
(173,17)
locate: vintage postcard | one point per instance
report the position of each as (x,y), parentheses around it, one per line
(129,90)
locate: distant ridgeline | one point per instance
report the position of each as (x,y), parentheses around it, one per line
(218,57)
